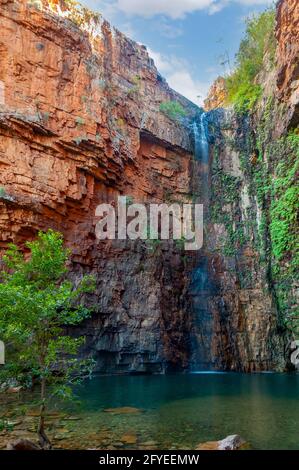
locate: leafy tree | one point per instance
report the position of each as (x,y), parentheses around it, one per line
(173,110)
(36,304)
(259,39)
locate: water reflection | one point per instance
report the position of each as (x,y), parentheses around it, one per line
(184,410)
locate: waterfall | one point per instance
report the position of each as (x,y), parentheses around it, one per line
(203,325)
(201,143)
(201,286)
(201,153)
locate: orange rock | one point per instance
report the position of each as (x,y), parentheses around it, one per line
(211,445)
(287,35)
(14,389)
(123,410)
(217,95)
(129,439)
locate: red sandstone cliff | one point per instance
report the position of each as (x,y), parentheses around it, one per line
(287,35)
(217,95)
(79,125)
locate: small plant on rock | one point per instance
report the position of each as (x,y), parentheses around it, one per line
(2,192)
(173,110)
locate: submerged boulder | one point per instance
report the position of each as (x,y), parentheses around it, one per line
(129,438)
(123,410)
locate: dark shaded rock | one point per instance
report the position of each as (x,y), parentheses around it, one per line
(22,444)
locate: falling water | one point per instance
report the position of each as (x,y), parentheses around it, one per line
(201,153)
(201,143)
(201,287)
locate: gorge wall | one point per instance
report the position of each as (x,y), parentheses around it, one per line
(253,216)
(80,124)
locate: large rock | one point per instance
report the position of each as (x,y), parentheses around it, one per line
(22,444)
(233,442)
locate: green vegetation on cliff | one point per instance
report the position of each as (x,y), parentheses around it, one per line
(270,165)
(274,180)
(224,207)
(285,203)
(243,85)
(172,109)
(269,223)
(283,218)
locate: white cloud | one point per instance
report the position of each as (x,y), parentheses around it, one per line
(165,64)
(167,29)
(177,8)
(183,82)
(172,8)
(179,77)
(128,30)
(254,2)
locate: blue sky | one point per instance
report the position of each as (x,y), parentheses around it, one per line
(188,39)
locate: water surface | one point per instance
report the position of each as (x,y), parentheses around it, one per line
(181,411)
(165,412)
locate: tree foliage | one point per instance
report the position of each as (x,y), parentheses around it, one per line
(36,304)
(243,87)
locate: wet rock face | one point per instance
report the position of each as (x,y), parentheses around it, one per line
(236,323)
(287,35)
(142,322)
(80,125)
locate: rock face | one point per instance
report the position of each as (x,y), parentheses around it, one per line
(241,293)
(217,95)
(236,318)
(287,35)
(80,125)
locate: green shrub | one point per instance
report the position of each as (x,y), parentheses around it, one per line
(36,304)
(80,121)
(172,109)
(5,425)
(285,204)
(35,4)
(259,39)
(136,80)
